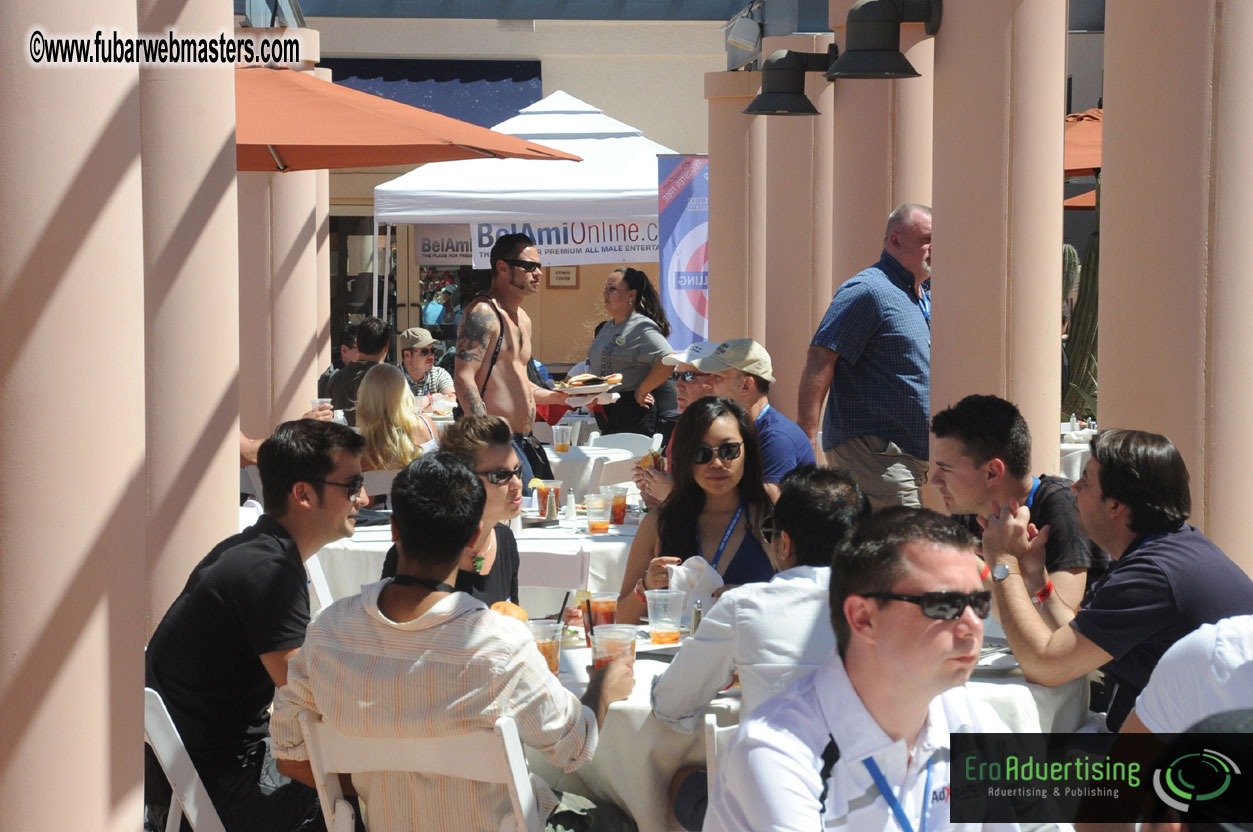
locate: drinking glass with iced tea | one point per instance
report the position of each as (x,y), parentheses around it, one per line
(542,491)
(611,641)
(665,612)
(548,639)
(617,511)
(604,608)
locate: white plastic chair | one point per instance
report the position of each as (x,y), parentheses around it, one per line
(717,737)
(493,756)
(543,432)
(637,443)
(379,483)
(603,472)
(320,588)
(188,793)
(254,479)
(555,570)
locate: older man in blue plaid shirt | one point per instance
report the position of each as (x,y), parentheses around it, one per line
(872,351)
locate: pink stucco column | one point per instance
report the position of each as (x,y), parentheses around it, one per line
(797,244)
(882,150)
(322,230)
(254,303)
(730,201)
(293,293)
(1175,346)
(996,261)
(190,302)
(72,468)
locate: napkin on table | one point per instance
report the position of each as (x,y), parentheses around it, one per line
(698,579)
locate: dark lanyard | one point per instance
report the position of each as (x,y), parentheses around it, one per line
(895,805)
(1035,483)
(429,583)
(725,537)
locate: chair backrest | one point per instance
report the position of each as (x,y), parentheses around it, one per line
(603,472)
(254,478)
(321,590)
(493,756)
(716,739)
(637,443)
(555,569)
(543,432)
(189,796)
(379,483)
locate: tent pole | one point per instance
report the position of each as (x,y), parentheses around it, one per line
(387,268)
(374,284)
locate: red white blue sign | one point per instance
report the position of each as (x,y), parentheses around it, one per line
(683,218)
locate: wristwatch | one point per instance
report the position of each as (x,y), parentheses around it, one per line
(1002,571)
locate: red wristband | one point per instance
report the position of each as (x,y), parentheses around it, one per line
(1044,594)
(987,570)
(639,591)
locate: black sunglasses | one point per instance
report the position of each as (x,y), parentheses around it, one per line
(353,486)
(501,475)
(943,606)
(525,265)
(687,376)
(424,350)
(727,451)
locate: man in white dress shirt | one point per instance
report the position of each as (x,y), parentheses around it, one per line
(863,742)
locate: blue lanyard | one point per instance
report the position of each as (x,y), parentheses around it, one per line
(895,805)
(725,537)
(762,413)
(1035,483)
(924,303)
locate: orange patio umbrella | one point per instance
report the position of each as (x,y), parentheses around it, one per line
(287,120)
(1083,143)
(1081,202)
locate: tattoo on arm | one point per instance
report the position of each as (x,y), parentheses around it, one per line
(474,339)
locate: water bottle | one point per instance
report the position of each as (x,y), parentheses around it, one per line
(1074,423)
(697,613)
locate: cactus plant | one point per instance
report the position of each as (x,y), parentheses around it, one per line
(1070,279)
(1081,345)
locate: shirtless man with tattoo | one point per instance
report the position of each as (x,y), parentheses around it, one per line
(494,349)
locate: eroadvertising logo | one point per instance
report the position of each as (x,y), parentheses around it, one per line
(1195,777)
(1097,778)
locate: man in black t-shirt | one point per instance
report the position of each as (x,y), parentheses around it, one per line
(373,337)
(981,457)
(1166,580)
(223,646)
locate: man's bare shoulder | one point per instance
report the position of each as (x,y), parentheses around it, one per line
(479,326)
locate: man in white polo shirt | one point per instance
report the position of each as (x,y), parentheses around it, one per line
(863,742)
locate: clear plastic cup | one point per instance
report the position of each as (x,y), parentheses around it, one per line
(548,639)
(617,513)
(665,614)
(561,438)
(611,641)
(599,509)
(542,494)
(604,608)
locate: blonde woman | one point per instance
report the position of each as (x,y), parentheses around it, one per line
(387,417)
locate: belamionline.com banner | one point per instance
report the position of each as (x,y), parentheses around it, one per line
(1101,778)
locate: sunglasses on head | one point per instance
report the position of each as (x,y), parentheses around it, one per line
(525,265)
(687,376)
(727,451)
(943,606)
(353,486)
(501,476)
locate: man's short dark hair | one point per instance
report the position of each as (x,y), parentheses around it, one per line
(301,451)
(763,386)
(817,507)
(437,503)
(1145,472)
(348,337)
(508,247)
(372,335)
(872,558)
(987,427)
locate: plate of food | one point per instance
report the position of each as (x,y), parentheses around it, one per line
(586,384)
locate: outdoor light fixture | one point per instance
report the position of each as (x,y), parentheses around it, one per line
(783,82)
(872,48)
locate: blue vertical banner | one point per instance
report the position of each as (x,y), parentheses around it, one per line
(683,219)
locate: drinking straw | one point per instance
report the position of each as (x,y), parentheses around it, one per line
(561,613)
(589,629)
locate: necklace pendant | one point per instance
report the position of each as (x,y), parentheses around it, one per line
(620,340)
(478,564)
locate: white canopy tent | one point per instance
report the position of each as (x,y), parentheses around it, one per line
(603,209)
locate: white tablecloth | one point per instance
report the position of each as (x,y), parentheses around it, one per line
(352,562)
(574,466)
(1075,453)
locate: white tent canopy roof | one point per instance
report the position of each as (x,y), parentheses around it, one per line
(617,178)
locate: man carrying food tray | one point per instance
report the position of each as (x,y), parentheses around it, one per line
(494,349)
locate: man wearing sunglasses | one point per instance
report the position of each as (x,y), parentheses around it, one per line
(417,356)
(494,348)
(223,646)
(741,370)
(863,742)
(690,384)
